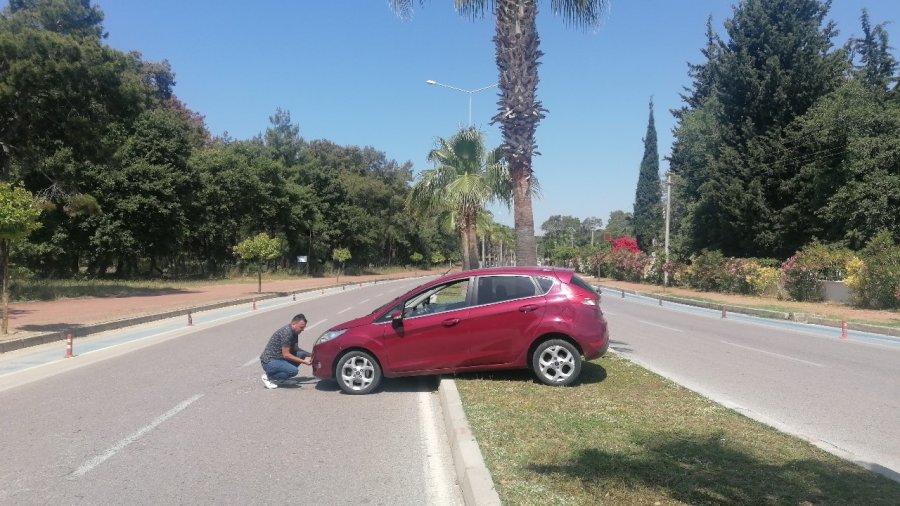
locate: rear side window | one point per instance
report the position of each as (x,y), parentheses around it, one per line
(493,289)
(580,283)
(545,283)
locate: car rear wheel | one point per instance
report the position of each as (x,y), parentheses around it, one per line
(357,373)
(556,362)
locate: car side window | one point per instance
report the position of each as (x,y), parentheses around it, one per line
(438,299)
(492,289)
(545,283)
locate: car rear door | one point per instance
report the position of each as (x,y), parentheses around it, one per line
(504,318)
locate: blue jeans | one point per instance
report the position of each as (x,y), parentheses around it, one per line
(280,370)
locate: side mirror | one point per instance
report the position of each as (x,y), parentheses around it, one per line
(397,316)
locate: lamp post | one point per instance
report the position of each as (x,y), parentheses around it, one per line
(470,92)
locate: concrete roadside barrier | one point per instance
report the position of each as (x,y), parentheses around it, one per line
(473,475)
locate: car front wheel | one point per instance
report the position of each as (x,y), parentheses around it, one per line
(358,373)
(556,362)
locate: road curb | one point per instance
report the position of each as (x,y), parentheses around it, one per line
(763,313)
(474,478)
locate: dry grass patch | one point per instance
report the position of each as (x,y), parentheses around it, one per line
(627,436)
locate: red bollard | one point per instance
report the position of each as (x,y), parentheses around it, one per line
(723,312)
(254,304)
(844,329)
(69,346)
(190,320)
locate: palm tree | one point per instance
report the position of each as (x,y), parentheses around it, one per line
(465,178)
(520,111)
(487,229)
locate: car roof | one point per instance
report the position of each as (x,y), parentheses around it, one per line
(561,273)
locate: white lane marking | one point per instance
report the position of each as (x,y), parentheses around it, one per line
(364,301)
(436,483)
(775,354)
(645,322)
(323,320)
(99,459)
(609,313)
(344,310)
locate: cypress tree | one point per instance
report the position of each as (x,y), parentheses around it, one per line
(647,198)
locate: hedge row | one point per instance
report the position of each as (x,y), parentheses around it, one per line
(872,274)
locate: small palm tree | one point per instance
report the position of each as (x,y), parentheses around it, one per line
(464,179)
(517,54)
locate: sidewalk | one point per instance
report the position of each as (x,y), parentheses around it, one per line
(33,323)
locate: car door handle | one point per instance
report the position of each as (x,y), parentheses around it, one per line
(528,307)
(449,322)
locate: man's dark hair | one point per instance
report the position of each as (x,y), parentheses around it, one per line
(298,318)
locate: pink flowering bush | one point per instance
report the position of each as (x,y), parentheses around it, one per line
(626,243)
(624,261)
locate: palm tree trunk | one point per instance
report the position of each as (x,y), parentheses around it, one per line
(464,243)
(524,220)
(517,58)
(471,231)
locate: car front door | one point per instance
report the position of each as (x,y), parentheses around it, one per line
(432,332)
(504,318)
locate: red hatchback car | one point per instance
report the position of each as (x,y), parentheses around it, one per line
(545,319)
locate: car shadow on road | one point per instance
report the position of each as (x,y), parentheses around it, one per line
(391,385)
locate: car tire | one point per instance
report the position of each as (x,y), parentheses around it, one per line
(357,373)
(556,362)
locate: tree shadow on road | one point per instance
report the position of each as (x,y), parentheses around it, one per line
(705,469)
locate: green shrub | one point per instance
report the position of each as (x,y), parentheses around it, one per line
(706,272)
(764,280)
(877,283)
(802,273)
(800,282)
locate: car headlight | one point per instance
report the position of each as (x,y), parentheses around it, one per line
(328,336)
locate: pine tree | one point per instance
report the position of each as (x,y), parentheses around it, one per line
(878,64)
(775,64)
(647,198)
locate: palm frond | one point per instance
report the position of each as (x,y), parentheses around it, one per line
(584,14)
(473,9)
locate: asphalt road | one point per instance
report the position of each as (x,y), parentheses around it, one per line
(841,394)
(182,417)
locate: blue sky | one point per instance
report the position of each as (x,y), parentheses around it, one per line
(352,72)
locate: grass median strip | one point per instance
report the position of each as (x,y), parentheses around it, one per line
(625,435)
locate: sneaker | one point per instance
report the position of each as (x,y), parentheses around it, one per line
(267,382)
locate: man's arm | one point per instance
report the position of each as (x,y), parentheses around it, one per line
(290,357)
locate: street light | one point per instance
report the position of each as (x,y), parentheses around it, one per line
(470,92)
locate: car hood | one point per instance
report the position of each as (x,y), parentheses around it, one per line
(359,322)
